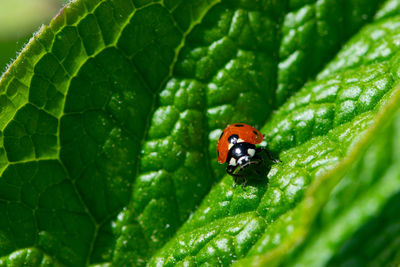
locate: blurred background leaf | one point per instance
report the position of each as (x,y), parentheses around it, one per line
(18,20)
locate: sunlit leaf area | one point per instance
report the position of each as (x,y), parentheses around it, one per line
(111,111)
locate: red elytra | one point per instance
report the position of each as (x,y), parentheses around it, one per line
(245,132)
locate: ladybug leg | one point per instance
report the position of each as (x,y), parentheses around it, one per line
(237,176)
(234,172)
(231,170)
(271,158)
(257,159)
(244,183)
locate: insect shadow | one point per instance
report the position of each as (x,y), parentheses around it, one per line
(256,174)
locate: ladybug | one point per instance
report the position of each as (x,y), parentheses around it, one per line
(237,146)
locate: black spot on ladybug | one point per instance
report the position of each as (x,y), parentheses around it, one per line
(221,135)
(239,125)
(255,132)
(233,139)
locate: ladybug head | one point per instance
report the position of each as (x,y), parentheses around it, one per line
(233,139)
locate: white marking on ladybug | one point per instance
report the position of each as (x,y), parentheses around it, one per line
(232,162)
(230,146)
(240,140)
(243,160)
(237,150)
(251,152)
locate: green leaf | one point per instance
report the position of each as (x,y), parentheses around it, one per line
(110,116)
(359,222)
